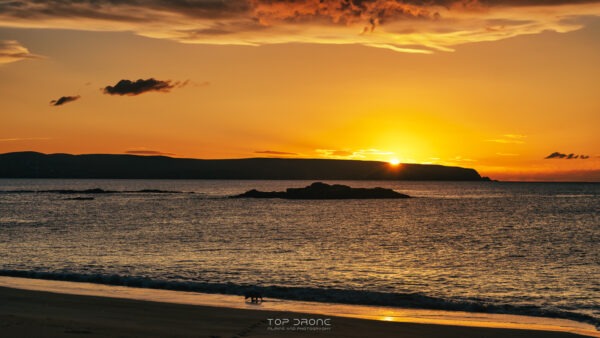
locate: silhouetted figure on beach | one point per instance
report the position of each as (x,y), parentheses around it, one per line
(254,296)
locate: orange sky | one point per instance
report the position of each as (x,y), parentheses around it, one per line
(484,84)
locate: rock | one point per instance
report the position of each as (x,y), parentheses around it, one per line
(262,194)
(319,190)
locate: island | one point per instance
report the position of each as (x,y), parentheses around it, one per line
(109,166)
(323,191)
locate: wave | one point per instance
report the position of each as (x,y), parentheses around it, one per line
(327,295)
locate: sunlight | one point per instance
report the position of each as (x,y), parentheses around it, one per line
(394,161)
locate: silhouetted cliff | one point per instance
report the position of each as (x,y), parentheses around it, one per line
(37,165)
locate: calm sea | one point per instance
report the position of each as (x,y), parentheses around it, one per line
(525,248)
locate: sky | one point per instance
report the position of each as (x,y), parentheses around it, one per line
(507,87)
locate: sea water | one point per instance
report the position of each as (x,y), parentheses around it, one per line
(520,248)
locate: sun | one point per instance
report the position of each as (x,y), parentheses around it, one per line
(394,161)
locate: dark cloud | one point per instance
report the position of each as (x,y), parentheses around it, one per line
(106,9)
(128,87)
(274,152)
(533,2)
(557,155)
(148,152)
(445,23)
(338,11)
(64,99)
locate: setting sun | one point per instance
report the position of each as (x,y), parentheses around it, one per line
(394,161)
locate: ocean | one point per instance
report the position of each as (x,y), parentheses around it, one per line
(499,247)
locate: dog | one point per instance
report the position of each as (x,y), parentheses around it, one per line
(254,297)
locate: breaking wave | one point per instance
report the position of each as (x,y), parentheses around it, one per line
(328,295)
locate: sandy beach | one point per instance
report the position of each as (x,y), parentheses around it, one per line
(29,313)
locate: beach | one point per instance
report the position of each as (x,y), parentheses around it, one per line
(25,312)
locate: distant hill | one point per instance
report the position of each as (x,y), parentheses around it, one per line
(37,165)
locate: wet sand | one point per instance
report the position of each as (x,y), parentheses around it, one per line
(28,313)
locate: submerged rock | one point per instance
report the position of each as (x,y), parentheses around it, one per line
(319,190)
(79,199)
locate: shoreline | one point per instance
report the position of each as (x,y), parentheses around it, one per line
(79,303)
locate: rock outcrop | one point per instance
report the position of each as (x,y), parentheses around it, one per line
(319,190)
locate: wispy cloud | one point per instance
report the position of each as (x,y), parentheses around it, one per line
(506,141)
(571,156)
(12,51)
(509,138)
(275,152)
(334,153)
(64,99)
(461,159)
(132,88)
(19,139)
(412,26)
(515,136)
(353,154)
(148,152)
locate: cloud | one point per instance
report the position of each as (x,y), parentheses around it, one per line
(148,152)
(505,141)
(128,87)
(12,51)
(19,139)
(412,26)
(338,153)
(462,159)
(274,152)
(353,154)
(558,155)
(515,136)
(64,99)
(334,153)
(509,138)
